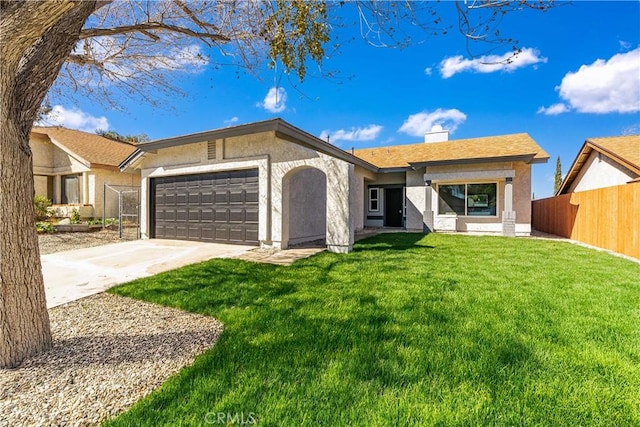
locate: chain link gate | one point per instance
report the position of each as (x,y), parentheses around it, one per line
(121,208)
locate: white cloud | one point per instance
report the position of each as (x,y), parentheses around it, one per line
(275,101)
(232,120)
(611,86)
(553,110)
(428,71)
(73,118)
(490,63)
(368,133)
(420,123)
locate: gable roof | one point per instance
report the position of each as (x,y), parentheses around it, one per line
(91,149)
(624,150)
(475,150)
(281,128)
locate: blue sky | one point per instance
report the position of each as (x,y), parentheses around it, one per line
(577,77)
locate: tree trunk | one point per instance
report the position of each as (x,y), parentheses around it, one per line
(35,39)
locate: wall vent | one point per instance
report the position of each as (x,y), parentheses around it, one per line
(211,150)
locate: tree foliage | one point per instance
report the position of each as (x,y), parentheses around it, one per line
(557,181)
(112,134)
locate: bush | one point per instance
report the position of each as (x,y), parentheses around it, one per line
(41,205)
(75,216)
(45,227)
(111,221)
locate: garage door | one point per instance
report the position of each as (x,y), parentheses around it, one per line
(213,207)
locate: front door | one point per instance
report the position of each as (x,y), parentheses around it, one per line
(393,207)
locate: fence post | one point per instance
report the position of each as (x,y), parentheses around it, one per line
(104,205)
(120,213)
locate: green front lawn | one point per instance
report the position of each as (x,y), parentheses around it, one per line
(409,330)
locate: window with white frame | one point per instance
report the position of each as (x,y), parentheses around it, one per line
(374,199)
(468,199)
(70,189)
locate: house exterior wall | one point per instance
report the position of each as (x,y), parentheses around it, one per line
(375,218)
(41,185)
(307,220)
(51,161)
(274,158)
(416,200)
(42,150)
(172,157)
(600,171)
(421,201)
(96,180)
(485,173)
(358,196)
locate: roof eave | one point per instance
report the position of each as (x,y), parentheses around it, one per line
(132,158)
(527,158)
(395,169)
(282,129)
(249,128)
(539,160)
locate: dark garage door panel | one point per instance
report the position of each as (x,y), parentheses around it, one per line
(213,207)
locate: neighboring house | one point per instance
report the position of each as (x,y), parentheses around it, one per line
(70,168)
(604,162)
(272,184)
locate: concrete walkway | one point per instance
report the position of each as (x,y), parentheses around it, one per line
(280,257)
(78,273)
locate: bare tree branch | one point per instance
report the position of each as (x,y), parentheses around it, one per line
(146,28)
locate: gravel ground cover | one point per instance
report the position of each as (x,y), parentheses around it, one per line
(58,242)
(108,352)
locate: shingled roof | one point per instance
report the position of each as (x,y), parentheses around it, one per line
(93,149)
(624,150)
(495,148)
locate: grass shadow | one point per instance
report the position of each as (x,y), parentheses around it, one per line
(392,242)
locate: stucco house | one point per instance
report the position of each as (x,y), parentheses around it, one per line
(272,184)
(468,185)
(604,162)
(70,168)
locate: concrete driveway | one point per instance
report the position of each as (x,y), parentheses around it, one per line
(75,274)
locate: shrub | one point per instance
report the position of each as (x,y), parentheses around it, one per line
(111,221)
(75,216)
(41,205)
(45,227)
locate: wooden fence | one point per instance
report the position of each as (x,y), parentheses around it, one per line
(608,218)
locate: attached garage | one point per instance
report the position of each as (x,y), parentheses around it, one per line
(217,207)
(265,183)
